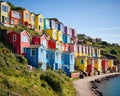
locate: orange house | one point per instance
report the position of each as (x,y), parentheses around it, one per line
(25,17)
(15,17)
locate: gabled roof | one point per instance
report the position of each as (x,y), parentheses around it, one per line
(4,2)
(26,31)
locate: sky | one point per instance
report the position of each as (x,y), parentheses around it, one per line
(94,18)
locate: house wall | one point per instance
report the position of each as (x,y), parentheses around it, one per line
(39,22)
(5,13)
(15,17)
(81,63)
(14,43)
(51,44)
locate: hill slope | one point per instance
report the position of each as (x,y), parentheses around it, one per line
(16,77)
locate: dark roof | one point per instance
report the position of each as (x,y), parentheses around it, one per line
(67,52)
(34,46)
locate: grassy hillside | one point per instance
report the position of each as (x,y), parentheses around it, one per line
(15,76)
(111,51)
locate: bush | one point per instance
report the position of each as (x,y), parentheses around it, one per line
(21,59)
(113,52)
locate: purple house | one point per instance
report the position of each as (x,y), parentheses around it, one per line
(74,35)
(67,30)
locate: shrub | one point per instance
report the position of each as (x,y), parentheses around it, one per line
(113,52)
(21,59)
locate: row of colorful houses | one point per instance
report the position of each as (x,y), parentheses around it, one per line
(56,48)
(95,65)
(22,17)
(20,40)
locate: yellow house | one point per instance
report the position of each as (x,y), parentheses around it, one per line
(32,17)
(39,22)
(97,64)
(52,33)
(81,63)
(59,36)
(110,63)
(4,12)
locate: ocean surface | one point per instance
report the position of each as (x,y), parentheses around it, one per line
(110,87)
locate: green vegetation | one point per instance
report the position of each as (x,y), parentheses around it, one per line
(16,77)
(111,51)
(21,28)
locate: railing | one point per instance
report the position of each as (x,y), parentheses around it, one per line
(4,92)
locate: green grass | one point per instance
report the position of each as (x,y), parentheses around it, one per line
(15,76)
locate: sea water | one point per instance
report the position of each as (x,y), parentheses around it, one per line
(110,87)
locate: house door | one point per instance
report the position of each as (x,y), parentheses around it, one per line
(3,19)
(56,66)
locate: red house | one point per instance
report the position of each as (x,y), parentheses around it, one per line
(90,66)
(71,47)
(40,40)
(19,40)
(104,65)
(66,47)
(51,44)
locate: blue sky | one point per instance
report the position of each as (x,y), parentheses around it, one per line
(95,18)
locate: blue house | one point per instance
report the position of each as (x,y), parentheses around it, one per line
(64,38)
(68,38)
(68,61)
(36,55)
(60,26)
(54,59)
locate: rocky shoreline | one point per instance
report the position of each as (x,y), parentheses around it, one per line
(94,83)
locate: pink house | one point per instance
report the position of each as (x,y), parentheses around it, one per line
(19,40)
(40,40)
(71,47)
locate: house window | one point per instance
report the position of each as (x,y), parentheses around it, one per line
(54,33)
(47,55)
(4,8)
(23,50)
(57,55)
(24,38)
(33,18)
(40,28)
(82,62)
(41,50)
(32,52)
(5,19)
(44,42)
(12,22)
(41,20)
(26,16)
(14,37)
(16,14)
